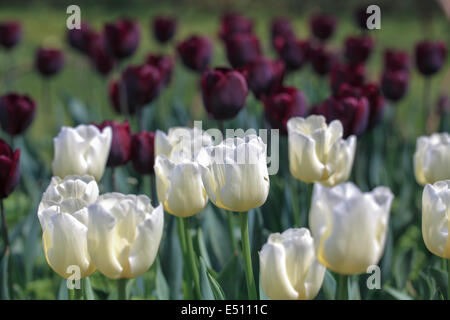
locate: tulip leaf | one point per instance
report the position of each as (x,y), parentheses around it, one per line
(205,285)
(162,288)
(215,286)
(4,285)
(227,278)
(63,294)
(87,289)
(77,110)
(353,288)
(329,286)
(441,279)
(396,293)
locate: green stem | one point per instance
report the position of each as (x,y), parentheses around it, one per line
(76,294)
(294,201)
(122,289)
(4,229)
(251,287)
(186,267)
(343,287)
(230,221)
(192,259)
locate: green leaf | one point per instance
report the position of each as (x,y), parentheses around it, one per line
(4,285)
(87,289)
(162,288)
(216,288)
(353,288)
(63,294)
(397,294)
(329,286)
(205,286)
(441,279)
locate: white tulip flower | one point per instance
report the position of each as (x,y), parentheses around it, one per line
(432,158)
(436,218)
(63,216)
(124,233)
(289,267)
(349,226)
(81,150)
(317,152)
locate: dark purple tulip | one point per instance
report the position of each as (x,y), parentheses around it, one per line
(361,17)
(49,61)
(281,105)
(353,75)
(98,54)
(196,53)
(232,23)
(321,59)
(122,37)
(293,52)
(164,64)
(430,56)
(396,60)
(358,49)
(224,92)
(120,151)
(394,84)
(281,28)
(143,152)
(242,48)
(323,26)
(263,75)
(79,38)
(10,34)
(9,169)
(16,113)
(164,28)
(376,103)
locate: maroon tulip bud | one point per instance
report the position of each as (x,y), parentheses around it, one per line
(120,151)
(224,92)
(195,52)
(394,84)
(98,54)
(232,23)
(443,105)
(10,34)
(164,28)
(358,49)
(323,26)
(430,57)
(263,75)
(122,38)
(9,169)
(281,28)
(282,104)
(396,60)
(361,17)
(164,64)
(16,113)
(353,75)
(321,59)
(143,152)
(49,61)
(293,52)
(376,103)
(242,48)
(79,38)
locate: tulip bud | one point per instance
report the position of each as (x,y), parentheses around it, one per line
(10,34)
(376,103)
(81,150)
(49,61)
(232,23)
(16,113)
(289,266)
(355,239)
(317,152)
(224,92)
(293,52)
(63,216)
(358,49)
(124,233)
(10,169)
(282,104)
(431,159)
(98,54)
(195,52)
(430,57)
(164,28)
(323,26)
(79,39)
(242,49)
(394,84)
(281,28)
(235,174)
(396,60)
(435,219)
(122,38)
(321,59)
(353,75)
(164,64)
(120,150)
(143,152)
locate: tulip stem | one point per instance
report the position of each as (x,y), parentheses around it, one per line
(122,289)
(4,229)
(230,221)
(251,287)
(76,294)
(294,203)
(343,287)
(186,267)
(426,101)
(192,259)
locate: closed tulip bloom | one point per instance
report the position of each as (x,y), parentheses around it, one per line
(81,150)
(143,152)
(235,173)
(124,233)
(432,158)
(232,23)
(430,56)
(122,37)
(164,28)
(321,59)
(63,216)
(293,52)
(288,266)
(281,28)
(224,92)
(317,152)
(435,218)
(376,103)
(350,226)
(396,60)
(16,113)
(353,75)
(358,49)
(196,53)
(78,39)
(10,34)
(49,61)
(264,75)
(9,169)
(323,26)
(395,84)
(120,150)
(164,64)
(242,48)
(99,56)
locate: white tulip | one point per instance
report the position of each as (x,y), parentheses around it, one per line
(349,225)
(124,233)
(436,218)
(317,152)
(235,173)
(63,216)
(432,158)
(289,266)
(81,150)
